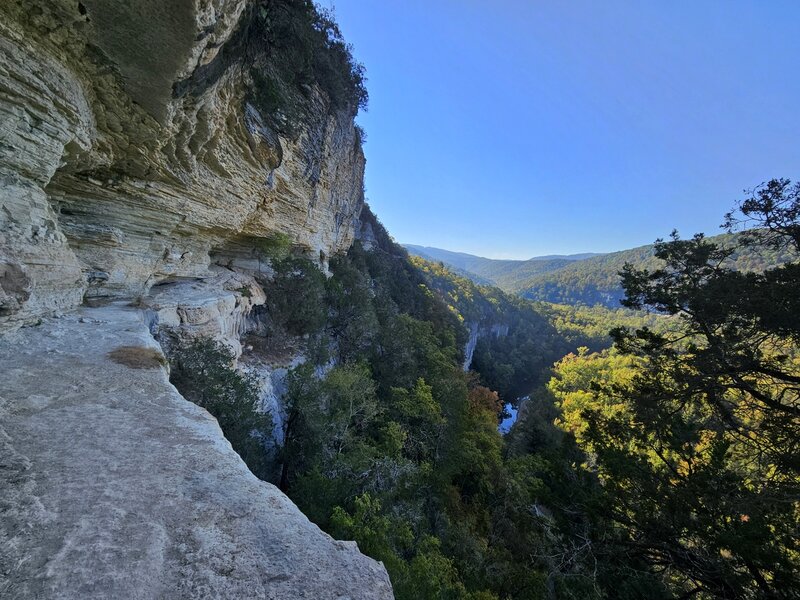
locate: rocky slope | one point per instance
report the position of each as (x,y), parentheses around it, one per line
(140,172)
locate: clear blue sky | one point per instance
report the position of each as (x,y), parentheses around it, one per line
(513,128)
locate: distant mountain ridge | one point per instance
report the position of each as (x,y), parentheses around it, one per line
(579,256)
(503,273)
(587,278)
(455,257)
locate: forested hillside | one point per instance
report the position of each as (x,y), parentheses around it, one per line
(663,467)
(586,280)
(596,280)
(520,340)
(476,265)
(489,271)
(390,442)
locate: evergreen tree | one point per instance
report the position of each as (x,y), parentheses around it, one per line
(701,469)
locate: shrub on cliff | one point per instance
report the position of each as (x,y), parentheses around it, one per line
(203,373)
(296,296)
(298,45)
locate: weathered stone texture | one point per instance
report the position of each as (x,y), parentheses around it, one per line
(114,486)
(117,185)
(111,182)
(216,307)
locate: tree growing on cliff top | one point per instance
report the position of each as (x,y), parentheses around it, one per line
(297,45)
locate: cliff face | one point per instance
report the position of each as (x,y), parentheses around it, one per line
(121,171)
(140,172)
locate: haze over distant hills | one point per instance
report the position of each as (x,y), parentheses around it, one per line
(578,278)
(455,257)
(504,273)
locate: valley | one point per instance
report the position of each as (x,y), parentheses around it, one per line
(222,377)
(586,279)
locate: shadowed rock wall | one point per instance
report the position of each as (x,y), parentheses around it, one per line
(112,181)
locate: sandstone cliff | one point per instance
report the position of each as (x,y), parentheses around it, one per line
(148,164)
(132,152)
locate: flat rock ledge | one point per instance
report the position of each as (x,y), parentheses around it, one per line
(112,485)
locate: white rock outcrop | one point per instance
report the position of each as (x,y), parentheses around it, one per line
(115,178)
(114,486)
(137,175)
(217,307)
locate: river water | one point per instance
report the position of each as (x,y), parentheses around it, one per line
(512,409)
(505,424)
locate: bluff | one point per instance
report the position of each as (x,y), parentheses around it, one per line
(137,149)
(152,153)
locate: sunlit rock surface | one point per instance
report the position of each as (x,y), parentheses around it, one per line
(114,486)
(116,178)
(122,183)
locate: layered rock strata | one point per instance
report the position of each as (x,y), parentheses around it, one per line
(139,174)
(114,179)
